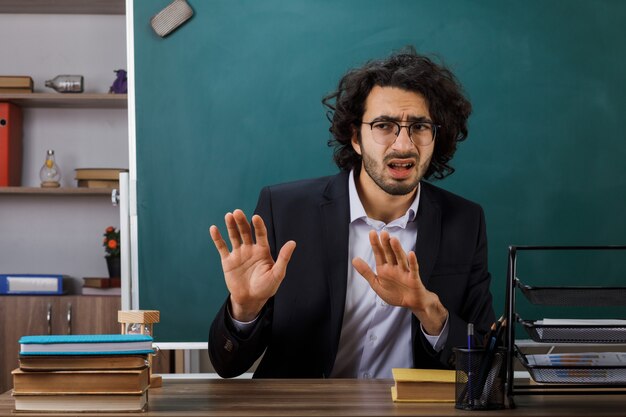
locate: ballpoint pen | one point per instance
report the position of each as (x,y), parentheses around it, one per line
(470,373)
(486,368)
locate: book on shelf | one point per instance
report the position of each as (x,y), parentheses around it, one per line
(423,385)
(102,282)
(22,284)
(7,90)
(99,173)
(98,184)
(107,381)
(86,344)
(81,362)
(81,402)
(113,291)
(16,81)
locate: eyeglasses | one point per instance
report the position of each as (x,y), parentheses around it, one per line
(385,132)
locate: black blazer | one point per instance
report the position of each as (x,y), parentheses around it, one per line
(299,327)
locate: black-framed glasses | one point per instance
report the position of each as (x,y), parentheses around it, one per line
(385,132)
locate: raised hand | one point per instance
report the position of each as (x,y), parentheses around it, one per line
(397,281)
(251,275)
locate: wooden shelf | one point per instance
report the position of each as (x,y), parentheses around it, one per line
(63,6)
(58,100)
(69,191)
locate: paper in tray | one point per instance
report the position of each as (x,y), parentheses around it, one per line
(576,368)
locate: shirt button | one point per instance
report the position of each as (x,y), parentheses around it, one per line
(373,337)
(366,375)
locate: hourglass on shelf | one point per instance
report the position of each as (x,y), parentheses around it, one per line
(50,174)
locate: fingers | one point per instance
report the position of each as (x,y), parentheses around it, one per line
(280,267)
(379,255)
(399,254)
(260,231)
(222,249)
(239,231)
(364,269)
(389,254)
(414,268)
(244,227)
(233,231)
(387,250)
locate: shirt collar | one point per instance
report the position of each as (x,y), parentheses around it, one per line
(357,211)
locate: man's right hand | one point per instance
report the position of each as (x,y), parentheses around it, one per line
(251,275)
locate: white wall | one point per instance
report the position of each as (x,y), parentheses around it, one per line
(43,234)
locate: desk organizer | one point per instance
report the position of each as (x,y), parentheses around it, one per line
(480,379)
(567,376)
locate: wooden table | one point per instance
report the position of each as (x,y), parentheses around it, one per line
(347,397)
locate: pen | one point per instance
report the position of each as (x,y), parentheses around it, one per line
(487,372)
(470,391)
(493,337)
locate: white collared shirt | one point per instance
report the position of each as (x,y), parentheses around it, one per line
(375,336)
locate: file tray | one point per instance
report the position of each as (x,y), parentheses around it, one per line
(575,296)
(571,373)
(574,333)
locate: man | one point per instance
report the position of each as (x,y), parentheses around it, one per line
(373,268)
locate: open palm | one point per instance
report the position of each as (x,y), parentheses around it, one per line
(397,281)
(251,275)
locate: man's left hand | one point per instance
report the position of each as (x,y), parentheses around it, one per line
(397,281)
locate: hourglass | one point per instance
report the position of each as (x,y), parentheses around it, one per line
(141,322)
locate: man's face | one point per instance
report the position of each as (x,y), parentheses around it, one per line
(398,167)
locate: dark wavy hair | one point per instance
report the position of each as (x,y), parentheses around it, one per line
(409,71)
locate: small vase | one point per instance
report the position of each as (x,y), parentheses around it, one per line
(113,264)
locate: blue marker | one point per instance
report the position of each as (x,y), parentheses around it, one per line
(470,376)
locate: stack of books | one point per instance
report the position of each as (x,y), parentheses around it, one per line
(99,177)
(15,84)
(77,373)
(102,286)
(423,385)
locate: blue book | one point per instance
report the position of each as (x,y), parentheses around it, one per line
(44,284)
(86,344)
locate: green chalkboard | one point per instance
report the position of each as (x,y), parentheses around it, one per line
(231,102)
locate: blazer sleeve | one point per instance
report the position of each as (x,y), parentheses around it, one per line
(477,308)
(231,352)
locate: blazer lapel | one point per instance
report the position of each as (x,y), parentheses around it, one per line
(335,211)
(428,233)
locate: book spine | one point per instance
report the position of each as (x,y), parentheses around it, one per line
(93,382)
(31,284)
(101,291)
(9,90)
(16,81)
(98,183)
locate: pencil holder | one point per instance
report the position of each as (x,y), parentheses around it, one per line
(480,379)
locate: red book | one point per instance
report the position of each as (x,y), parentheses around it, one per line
(10,145)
